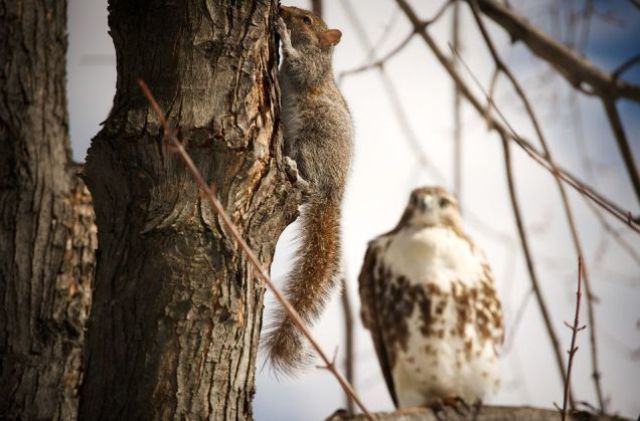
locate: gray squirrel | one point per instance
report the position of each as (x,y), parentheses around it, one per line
(318,138)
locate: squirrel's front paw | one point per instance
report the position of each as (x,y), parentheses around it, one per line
(285,34)
(291,167)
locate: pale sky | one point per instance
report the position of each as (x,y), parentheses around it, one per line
(385,170)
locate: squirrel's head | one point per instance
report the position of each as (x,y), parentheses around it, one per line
(308,31)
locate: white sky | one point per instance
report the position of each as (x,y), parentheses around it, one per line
(385,170)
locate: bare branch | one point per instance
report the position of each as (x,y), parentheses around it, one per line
(396,105)
(253,259)
(623,143)
(626,66)
(457,110)
(381,62)
(573,348)
(575,69)
(555,343)
(636,3)
(501,66)
(623,215)
(349,338)
(377,63)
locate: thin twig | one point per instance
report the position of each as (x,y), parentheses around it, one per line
(574,333)
(394,100)
(349,339)
(385,58)
(501,66)
(555,343)
(457,109)
(623,143)
(209,194)
(517,320)
(623,215)
(575,69)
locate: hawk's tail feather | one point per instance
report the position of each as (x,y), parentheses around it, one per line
(308,287)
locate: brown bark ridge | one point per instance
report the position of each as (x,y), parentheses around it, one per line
(47,236)
(484,413)
(177,309)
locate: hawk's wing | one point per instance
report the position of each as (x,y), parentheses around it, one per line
(370,304)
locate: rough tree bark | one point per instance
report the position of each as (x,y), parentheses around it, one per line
(177,311)
(47,236)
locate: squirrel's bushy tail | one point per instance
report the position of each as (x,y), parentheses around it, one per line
(315,273)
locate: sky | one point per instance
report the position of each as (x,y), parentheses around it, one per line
(386,169)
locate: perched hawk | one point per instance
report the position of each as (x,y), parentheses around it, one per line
(429,300)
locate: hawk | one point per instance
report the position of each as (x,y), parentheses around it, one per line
(429,301)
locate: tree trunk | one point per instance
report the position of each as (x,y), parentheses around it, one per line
(177,310)
(47,236)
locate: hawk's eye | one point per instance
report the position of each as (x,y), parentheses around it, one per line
(444,202)
(306,20)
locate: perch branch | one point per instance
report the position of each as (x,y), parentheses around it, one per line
(486,413)
(209,194)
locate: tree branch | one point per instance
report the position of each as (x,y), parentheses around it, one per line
(623,143)
(555,343)
(382,61)
(485,413)
(575,69)
(618,212)
(501,66)
(574,334)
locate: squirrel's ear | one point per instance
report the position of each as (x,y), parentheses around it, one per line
(330,37)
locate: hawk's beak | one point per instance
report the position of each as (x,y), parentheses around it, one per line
(426,204)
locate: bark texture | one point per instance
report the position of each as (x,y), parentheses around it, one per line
(47,236)
(177,311)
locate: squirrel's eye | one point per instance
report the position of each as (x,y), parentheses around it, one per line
(307,20)
(444,202)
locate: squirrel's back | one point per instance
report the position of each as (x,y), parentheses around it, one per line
(318,137)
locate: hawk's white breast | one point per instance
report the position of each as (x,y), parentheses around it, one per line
(451,346)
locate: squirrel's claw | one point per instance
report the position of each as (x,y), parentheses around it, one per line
(285,34)
(291,167)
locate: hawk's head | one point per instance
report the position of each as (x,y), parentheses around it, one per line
(431,206)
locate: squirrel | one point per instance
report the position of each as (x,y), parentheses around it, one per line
(318,138)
